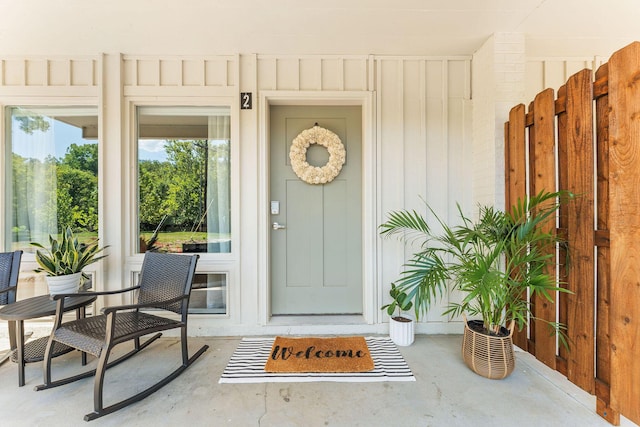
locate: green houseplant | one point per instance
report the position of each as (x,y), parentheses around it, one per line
(64,260)
(401,328)
(492,261)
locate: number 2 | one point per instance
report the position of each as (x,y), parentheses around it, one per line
(245,100)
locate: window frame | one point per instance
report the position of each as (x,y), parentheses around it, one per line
(201,311)
(209,263)
(7,218)
(28,262)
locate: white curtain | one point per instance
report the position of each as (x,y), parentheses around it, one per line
(218,184)
(34,182)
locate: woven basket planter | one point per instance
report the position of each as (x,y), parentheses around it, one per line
(490,356)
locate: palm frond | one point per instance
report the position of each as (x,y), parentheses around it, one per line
(407,224)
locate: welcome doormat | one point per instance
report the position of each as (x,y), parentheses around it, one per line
(342,354)
(248,362)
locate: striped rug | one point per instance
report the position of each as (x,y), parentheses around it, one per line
(247,365)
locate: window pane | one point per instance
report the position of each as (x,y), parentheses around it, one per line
(209,294)
(183,179)
(53,164)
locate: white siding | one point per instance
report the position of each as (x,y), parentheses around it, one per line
(61,76)
(180,76)
(544,73)
(423,121)
(313,73)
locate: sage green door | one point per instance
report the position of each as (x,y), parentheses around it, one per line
(316,233)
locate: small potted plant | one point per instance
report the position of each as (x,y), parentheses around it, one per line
(64,260)
(401,328)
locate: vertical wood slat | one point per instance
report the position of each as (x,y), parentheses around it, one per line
(624,229)
(341,72)
(563,220)
(136,72)
(531,129)
(507,163)
(25,71)
(70,73)
(603,352)
(580,230)
(157,68)
(542,170)
(516,178)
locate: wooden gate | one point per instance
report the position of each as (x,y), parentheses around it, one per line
(587,140)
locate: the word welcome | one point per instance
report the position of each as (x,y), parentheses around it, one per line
(285,353)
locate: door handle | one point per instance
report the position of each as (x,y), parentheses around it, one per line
(277,226)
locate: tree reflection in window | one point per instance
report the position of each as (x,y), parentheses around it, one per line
(183,179)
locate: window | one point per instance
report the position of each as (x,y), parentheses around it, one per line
(209,294)
(184,179)
(52,173)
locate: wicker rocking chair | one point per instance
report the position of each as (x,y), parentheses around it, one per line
(165,283)
(9,270)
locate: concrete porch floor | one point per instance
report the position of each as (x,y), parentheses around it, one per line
(446,393)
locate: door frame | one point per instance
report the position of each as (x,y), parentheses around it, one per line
(369,187)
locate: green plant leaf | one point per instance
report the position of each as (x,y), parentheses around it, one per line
(66,256)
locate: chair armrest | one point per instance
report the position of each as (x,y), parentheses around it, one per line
(9,289)
(155,304)
(60,298)
(93,293)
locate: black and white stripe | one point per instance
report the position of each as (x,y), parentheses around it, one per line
(247,365)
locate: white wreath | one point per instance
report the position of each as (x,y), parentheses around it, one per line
(298,155)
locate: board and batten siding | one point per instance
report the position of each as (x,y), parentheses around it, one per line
(181,76)
(56,76)
(543,73)
(424,149)
(422,140)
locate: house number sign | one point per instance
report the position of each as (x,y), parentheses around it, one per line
(245,101)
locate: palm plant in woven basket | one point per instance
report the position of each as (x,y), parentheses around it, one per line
(493,261)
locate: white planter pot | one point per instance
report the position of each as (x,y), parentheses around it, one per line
(66,284)
(401,333)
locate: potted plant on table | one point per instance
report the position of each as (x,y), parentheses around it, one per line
(401,328)
(64,260)
(493,262)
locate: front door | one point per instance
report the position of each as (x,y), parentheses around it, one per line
(316,234)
